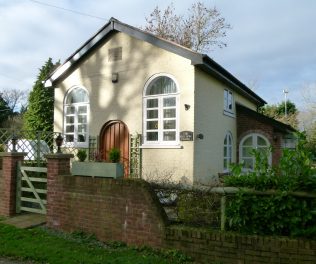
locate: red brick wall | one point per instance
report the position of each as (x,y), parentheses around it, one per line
(8,183)
(119,210)
(247,124)
(1,192)
(128,210)
(216,247)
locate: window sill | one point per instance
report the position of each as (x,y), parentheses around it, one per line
(228,113)
(161,147)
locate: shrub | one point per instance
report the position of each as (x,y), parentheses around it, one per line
(280,213)
(82,154)
(198,208)
(115,155)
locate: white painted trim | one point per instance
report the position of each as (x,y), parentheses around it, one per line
(160,97)
(255,145)
(230,114)
(76,105)
(145,146)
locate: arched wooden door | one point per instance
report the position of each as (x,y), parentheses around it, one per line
(115,134)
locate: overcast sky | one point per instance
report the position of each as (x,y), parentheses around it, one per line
(271,45)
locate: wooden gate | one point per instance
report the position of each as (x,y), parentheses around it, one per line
(31,189)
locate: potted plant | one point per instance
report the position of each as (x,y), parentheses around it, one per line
(115,155)
(82,155)
(98,167)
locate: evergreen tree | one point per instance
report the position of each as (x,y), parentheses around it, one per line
(277,111)
(5,111)
(39,115)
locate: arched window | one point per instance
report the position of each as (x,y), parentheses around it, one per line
(228,150)
(76,113)
(160,108)
(247,144)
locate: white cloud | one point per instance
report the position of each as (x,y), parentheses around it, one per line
(272,42)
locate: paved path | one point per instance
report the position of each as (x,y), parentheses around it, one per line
(25,221)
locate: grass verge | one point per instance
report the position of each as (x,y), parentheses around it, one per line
(45,246)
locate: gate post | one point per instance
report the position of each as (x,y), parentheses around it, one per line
(8,182)
(57,164)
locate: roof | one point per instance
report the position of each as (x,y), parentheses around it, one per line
(201,61)
(277,125)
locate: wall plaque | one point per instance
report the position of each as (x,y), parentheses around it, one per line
(186,136)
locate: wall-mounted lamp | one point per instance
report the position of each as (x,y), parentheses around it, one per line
(115,77)
(187,107)
(200,136)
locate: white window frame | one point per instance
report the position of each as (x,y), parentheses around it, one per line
(160,143)
(229,108)
(76,143)
(254,146)
(229,150)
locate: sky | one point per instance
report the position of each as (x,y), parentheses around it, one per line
(271,46)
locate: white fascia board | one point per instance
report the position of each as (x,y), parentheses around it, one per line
(77,56)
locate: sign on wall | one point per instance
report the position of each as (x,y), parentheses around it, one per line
(186,136)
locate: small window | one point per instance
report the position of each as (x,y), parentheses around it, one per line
(228,101)
(247,144)
(228,151)
(161,117)
(76,112)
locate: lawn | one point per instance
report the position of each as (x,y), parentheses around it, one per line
(46,246)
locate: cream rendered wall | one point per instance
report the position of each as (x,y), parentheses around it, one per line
(123,100)
(213,124)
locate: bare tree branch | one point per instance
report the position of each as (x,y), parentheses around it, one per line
(200,30)
(15,98)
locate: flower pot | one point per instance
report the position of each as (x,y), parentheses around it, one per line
(98,169)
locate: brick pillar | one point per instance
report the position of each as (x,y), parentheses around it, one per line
(8,182)
(57,164)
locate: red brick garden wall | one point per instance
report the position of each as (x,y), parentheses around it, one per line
(117,210)
(8,183)
(1,192)
(129,211)
(215,247)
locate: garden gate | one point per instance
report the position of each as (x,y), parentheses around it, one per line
(31,189)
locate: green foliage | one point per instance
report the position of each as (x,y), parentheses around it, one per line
(280,213)
(294,171)
(5,111)
(277,111)
(115,155)
(40,112)
(82,154)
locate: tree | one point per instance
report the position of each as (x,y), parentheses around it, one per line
(277,111)
(15,98)
(5,111)
(200,29)
(39,115)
